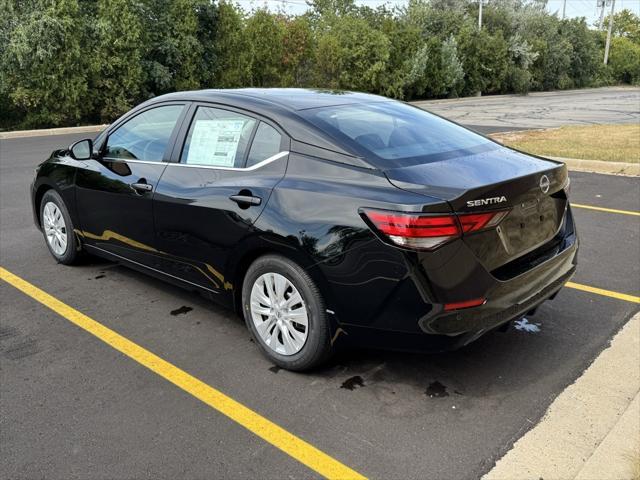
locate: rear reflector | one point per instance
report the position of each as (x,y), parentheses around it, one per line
(476,302)
(422,231)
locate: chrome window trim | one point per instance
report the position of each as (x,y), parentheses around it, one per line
(261,164)
(126,160)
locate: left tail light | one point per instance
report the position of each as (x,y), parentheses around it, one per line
(427,232)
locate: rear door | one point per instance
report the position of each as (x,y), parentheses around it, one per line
(115,189)
(223,170)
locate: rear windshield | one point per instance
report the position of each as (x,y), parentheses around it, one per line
(393,134)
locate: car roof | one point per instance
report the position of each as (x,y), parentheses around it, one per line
(291,99)
(283,106)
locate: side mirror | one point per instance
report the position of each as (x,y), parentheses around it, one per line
(81,150)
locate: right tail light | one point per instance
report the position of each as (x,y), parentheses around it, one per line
(427,232)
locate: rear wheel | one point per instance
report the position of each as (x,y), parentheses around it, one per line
(58,229)
(285,312)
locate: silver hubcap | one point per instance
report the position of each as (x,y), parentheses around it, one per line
(279,314)
(54,228)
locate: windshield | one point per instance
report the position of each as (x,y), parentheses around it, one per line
(396,134)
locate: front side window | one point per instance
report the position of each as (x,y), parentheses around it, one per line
(266,143)
(393,134)
(218,138)
(145,136)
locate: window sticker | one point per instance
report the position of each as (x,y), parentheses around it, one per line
(215,142)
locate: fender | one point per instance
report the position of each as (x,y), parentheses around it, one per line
(58,173)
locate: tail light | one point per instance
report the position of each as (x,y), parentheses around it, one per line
(426,232)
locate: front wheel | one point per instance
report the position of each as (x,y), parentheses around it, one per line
(58,229)
(285,312)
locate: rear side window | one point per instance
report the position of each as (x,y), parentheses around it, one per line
(265,144)
(217,138)
(145,136)
(392,134)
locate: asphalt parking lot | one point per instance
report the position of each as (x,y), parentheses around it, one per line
(74,407)
(542,109)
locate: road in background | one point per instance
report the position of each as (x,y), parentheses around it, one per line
(73,407)
(500,113)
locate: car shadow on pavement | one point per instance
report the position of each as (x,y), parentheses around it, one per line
(495,365)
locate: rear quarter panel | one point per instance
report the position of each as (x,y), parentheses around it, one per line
(314,211)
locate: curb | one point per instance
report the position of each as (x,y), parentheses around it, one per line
(583,431)
(623,440)
(600,166)
(51,131)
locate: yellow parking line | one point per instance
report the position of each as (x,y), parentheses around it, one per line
(292,445)
(608,210)
(606,293)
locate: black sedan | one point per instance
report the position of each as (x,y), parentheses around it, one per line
(326,218)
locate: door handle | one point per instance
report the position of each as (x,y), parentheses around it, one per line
(246,200)
(142,187)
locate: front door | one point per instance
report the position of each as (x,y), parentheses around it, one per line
(207,202)
(115,190)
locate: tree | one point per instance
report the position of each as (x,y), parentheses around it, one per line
(436,70)
(625,24)
(207,14)
(485,60)
(265,33)
(624,60)
(404,41)
(297,46)
(116,69)
(232,48)
(584,56)
(351,55)
(172,51)
(45,65)
(522,57)
(328,9)
(551,68)
(8,22)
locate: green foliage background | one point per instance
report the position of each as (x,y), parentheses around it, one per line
(68,62)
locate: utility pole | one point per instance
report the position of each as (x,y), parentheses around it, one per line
(601,6)
(606,48)
(564,8)
(480,2)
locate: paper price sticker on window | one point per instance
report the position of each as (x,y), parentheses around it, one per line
(215,142)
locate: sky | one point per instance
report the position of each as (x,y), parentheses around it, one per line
(575,8)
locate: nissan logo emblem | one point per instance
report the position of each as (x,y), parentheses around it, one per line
(544,183)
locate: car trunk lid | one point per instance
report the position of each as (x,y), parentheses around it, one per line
(530,188)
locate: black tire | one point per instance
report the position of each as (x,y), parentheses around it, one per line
(317,348)
(72,252)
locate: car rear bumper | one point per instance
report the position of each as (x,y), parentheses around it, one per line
(397,300)
(507,300)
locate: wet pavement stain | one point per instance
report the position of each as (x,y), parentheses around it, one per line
(437,390)
(181,311)
(353,383)
(275,369)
